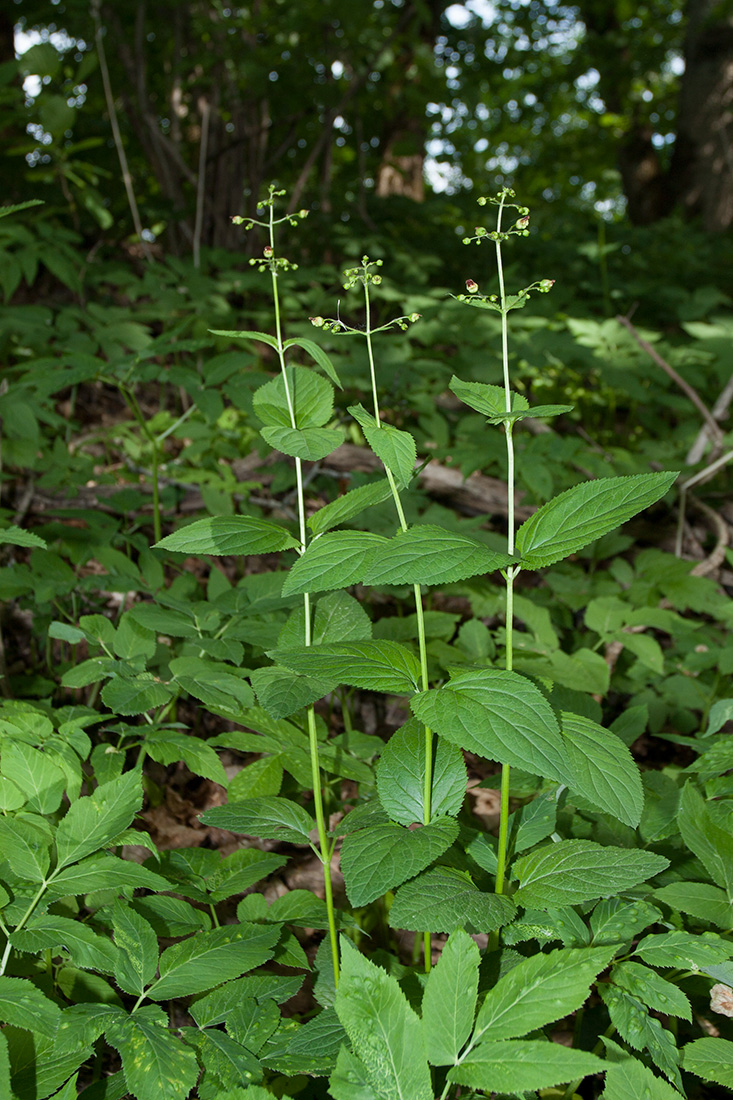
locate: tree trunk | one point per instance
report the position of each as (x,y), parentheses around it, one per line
(702,166)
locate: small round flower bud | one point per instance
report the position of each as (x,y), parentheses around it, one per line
(466,240)
(523,222)
(415,317)
(303,213)
(471,286)
(482,201)
(268,251)
(237,219)
(317,322)
(546,285)
(377,280)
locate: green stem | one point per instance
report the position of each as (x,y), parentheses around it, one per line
(323,842)
(419,613)
(136,411)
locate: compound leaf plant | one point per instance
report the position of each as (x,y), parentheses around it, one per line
(569,956)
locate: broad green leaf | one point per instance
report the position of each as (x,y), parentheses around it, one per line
(499,715)
(23,1005)
(282,692)
(540,990)
(582,514)
(16,536)
(137,944)
(86,948)
(310,444)
(40,780)
(267,818)
(225,1060)
(11,796)
(340,618)
(156,1064)
(164,620)
(487,399)
(449,1000)
(627,1077)
(337,559)
(169,746)
(426,554)
(641,1031)
(401,776)
(174,917)
(712,845)
(135,696)
(307,398)
(103,872)
(372,665)
(604,769)
(229,535)
(26,846)
(259,779)
(570,872)
(445,899)
(617,921)
(260,337)
(381,858)
(240,870)
(209,958)
(90,823)
(394,447)
(523,1064)
(350,1079)
(651,989)
(213,682)
(385,1033)
(316,353)
(349,505)
(684,950)
(711,1059)
(698,899)
(317,1042)
(720,713)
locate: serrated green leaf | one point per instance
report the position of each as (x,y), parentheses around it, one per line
(582,514)
(684,950)
(282,692)
(209,958)
(24,1006)
(381,858)
(268,818)
(487,399)
(712,845)
(445,899)
(698,899)
(401,776)
(311,444)
(626,1077)
(103,872)
(651,989)
(229,535)
(213,682)
(539,990)
(350,1080)
(11,796)
(86,948)
(337,559)
(604,770)
(260,337)
(426,554)
(318,354)
(169,746)
(570,872)
(641,1031)
(16,536)
(372,665)
(156,1064)
(164,620)
(349,505)
(318,1041)
(340,618)
(136,696)
(501,716)
(90,823)
(617,921)
(259,779)
(137,946)
(308,399)
(521,1064)
(385,1033)
(449,1001)
(394,447)
(711,1059)
(42,782)
(26,846)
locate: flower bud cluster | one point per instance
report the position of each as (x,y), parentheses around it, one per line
(270,262)
(363,274)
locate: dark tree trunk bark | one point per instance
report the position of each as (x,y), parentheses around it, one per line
(702,166)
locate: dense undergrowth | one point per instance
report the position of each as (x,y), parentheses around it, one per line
(211,783)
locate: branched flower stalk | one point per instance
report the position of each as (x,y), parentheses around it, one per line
(277,265)
(367,275)
(503,303)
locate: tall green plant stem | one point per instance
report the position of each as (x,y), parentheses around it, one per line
(511,570)
(133,406)
(425,683)
(326,848)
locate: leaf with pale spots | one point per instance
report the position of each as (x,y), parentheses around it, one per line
(210,958)
(156,1064)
